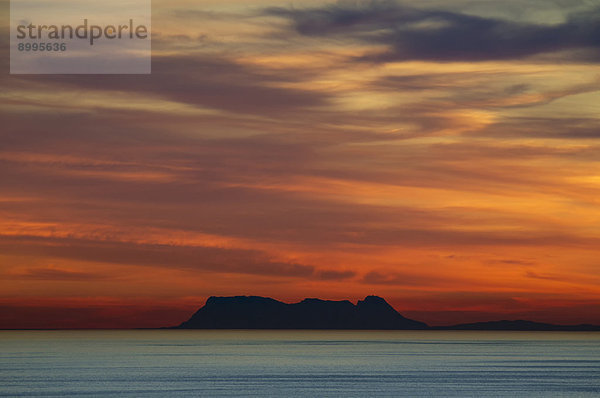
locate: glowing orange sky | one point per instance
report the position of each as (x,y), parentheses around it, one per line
(329,150)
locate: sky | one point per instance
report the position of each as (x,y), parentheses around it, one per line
(444,155)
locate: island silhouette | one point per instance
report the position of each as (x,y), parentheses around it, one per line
(372,313)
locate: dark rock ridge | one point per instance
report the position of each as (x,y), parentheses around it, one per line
(372,313)
(253,312)
(521,325)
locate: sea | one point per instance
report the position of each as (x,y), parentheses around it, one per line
(293,363)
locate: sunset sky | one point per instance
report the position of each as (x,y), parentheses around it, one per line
(444,155)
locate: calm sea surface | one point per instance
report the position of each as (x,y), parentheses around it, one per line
(167,363)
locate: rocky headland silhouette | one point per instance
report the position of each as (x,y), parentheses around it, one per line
(372,313)
(253,312)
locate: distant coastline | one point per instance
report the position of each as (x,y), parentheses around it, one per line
(372,313)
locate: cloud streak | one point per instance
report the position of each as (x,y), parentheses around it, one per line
(196,258)
(439,35)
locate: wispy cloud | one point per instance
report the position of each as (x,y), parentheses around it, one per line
(196,258)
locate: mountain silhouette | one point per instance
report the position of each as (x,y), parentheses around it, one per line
(521,325)
(253,312)
(372,313)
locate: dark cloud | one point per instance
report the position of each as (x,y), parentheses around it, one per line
(55,274)
(4,52)
(332,275)
(201,15)
(203,80)
(551,277)
(407,279)
(513,262)
(442,35)
(439,237)
(195,258)
(429,81)
(477,90)
(544,127)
